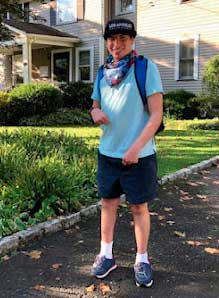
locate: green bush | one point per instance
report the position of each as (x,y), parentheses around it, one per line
(32,99)
(211,77)
(178,105)
(43,174)
(4,100)
(63,117)
(77,95)
(212,124)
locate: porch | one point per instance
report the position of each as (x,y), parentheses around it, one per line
(36,53)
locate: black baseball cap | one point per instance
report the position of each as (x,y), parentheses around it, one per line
(119,26)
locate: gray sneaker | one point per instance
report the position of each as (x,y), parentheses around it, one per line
(143,275)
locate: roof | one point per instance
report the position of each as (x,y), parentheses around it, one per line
(33,28)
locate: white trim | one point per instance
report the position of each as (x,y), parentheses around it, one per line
(177,49)
(91,49)
(74,9)
(118,8)
(70,62)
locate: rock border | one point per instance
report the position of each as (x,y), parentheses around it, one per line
(10,243)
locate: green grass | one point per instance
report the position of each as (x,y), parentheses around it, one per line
(56,166)
(178,146)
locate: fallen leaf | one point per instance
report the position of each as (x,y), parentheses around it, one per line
(168,209)
(132,223)
(91,288)
(183,192)
(34,254)
(39,287)
(153,213)
(191,183)
(170,222)
(104,288)
(56,266)
(201,196)
(196,243)
(180,234)
(5,258)
(186,198)
(215,182)
(161,217)
(212,251)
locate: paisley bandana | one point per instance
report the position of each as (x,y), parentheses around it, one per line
(115,72)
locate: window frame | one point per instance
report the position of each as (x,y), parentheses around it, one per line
(70,62)
(118,8)
(195,75)
(81,49)
(74,8)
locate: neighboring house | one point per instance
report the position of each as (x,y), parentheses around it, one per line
(180,36)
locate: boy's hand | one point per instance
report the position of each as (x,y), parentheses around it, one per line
(99,117)
(131,156)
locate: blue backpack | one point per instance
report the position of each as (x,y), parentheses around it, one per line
(141,64)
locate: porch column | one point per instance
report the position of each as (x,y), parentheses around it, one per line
(27,61)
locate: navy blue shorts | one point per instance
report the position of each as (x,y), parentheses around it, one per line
(137,181)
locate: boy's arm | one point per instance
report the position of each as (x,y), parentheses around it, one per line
(97,115)
(155,108)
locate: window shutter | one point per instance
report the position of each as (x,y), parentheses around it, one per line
(196,56)
(177,49)
(52,12)
(80,9)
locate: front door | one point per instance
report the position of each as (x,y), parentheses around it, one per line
(61,67)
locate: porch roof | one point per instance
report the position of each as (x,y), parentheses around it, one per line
(34,28)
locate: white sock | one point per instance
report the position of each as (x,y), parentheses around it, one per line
(142,258)
(106,249)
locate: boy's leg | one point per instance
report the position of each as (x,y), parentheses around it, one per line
(105,262)
(141,217)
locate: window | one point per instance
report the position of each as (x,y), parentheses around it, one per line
(62,66)
(84,64)
(124,6)
(66,11)
(187,59)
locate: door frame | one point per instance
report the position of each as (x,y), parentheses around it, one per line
(70,62)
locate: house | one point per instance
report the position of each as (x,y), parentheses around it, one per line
(63,40)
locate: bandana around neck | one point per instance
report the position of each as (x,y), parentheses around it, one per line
(115,72)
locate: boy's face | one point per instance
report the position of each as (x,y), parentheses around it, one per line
(119,45)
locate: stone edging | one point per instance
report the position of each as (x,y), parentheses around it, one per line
(18,239)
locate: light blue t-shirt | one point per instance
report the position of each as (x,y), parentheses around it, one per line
(123,106)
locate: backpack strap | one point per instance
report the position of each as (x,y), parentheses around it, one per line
(141,64)
(99,76)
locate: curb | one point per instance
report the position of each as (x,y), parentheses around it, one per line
(10,243)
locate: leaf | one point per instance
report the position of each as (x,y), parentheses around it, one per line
(190,183)
(201,196)
(91,288)
(34,254)
(39,287)
(212,251)
(170,222)
(168,209)
(180,234)
(186,198)
(56,266)
(153,213)
(215,182)
(132,223)
(161,217)
(104,288)
(196,243)
(5,258)
(183,192)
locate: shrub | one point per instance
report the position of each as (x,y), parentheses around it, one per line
(31,99)
(211,77)
(63,117)
(212,124)
(4,100)
(77,95)
(178,105)
(43,174)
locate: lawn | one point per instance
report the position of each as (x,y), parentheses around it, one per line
(46,172)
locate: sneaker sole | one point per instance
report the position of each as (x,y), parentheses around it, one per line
(105,274)
(148,285)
